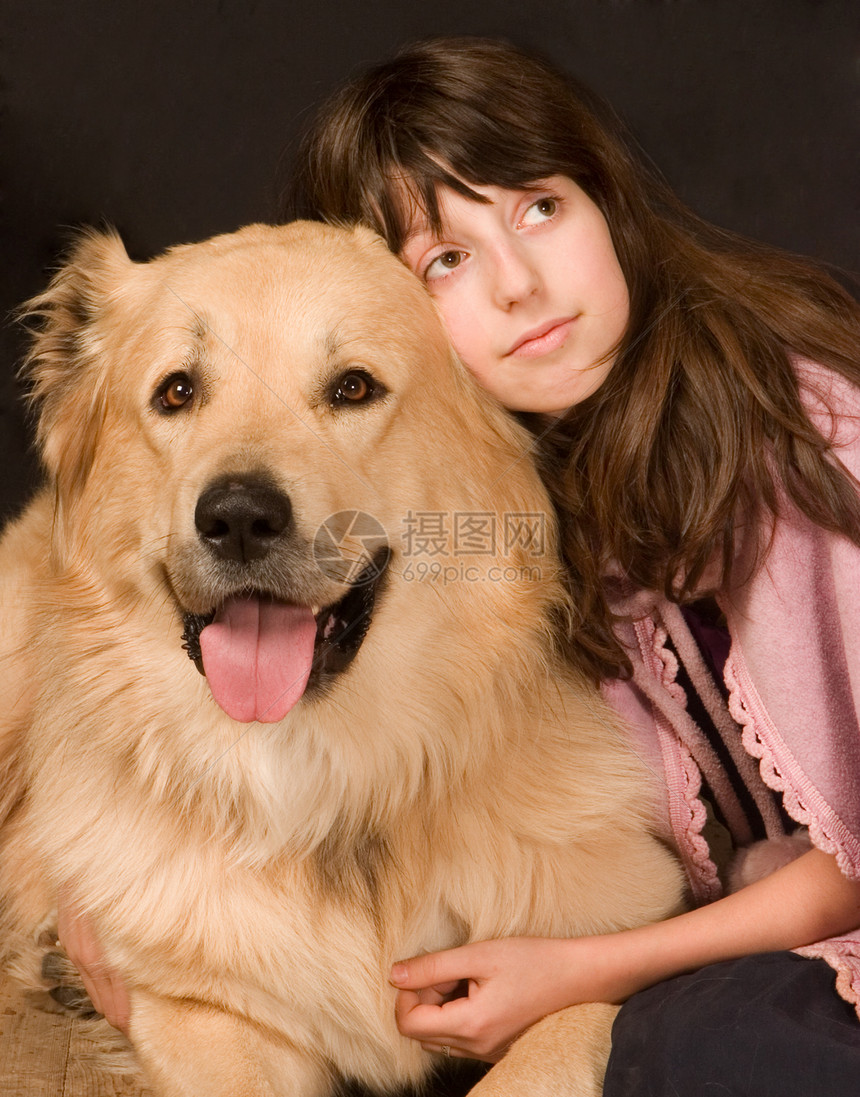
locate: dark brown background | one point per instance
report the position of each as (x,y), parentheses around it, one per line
(170,118)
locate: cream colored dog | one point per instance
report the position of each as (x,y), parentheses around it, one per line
(260,453)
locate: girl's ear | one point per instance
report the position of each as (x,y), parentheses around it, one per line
(65,365)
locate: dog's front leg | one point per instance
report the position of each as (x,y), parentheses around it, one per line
(564,1055)
(192,1050)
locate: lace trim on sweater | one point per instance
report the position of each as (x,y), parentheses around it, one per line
(843,955)
(683,774)
(780,772)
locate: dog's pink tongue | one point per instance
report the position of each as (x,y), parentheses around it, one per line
(257,656)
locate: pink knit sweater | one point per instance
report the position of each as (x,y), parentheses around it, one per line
(792,724)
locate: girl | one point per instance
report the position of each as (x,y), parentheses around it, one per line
(694,403)
(694,406)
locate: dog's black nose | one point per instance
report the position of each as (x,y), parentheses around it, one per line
(241,517)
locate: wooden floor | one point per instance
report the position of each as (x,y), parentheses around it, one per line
(47,1055)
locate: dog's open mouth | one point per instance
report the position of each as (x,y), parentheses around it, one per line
(261,655)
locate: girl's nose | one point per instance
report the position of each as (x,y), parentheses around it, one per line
(515,276)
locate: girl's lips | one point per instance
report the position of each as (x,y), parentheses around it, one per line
(542,340)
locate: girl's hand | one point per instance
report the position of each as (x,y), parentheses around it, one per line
(510,984)
(105,987)
(513,983)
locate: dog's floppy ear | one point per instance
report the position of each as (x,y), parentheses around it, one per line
(67,379)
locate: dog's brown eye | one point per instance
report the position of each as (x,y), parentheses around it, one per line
(355,387)
(175,393)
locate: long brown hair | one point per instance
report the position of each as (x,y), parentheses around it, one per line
(700,422)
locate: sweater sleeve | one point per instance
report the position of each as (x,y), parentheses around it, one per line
(794,667)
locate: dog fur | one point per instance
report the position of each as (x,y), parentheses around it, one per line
(255,880)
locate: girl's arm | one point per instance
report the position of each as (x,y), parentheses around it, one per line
(512,983)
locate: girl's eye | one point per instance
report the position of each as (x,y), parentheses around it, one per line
(176,392)
(356,386)
(541,210)
(447,261)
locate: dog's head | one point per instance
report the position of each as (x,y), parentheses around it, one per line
(268,436)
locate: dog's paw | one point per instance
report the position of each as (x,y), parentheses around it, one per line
(60,978)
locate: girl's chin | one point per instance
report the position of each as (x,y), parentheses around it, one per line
(552,417)
(562,393)
(557,400)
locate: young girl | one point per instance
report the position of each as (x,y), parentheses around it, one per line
(695,409)
(694,403)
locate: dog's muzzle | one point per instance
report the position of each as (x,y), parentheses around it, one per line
(263,651)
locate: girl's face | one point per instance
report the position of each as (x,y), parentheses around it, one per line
(529,288)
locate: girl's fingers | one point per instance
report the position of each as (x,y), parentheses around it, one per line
(430,997)
(108,995)
(423,1021)
(433,970)
(436,996)
(106,989)
(405,1004)
(447,1050)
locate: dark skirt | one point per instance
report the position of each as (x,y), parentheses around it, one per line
(770,1025)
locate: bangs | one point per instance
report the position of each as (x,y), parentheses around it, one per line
(422,146)
(411,194)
